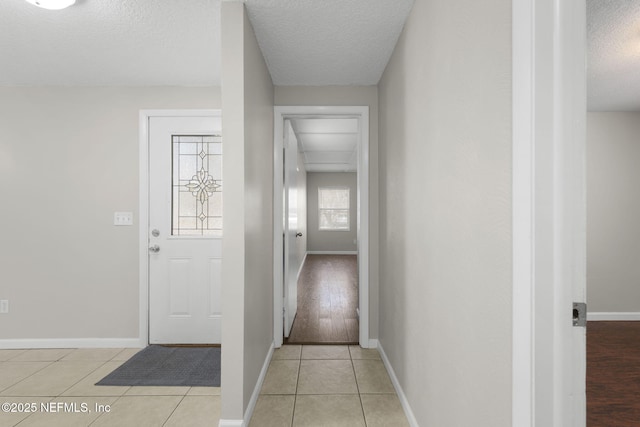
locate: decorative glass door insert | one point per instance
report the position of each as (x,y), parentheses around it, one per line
(196,185)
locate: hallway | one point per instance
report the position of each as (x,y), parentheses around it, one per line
(316,386)
(327,301)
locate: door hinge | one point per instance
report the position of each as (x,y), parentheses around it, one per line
(579,314)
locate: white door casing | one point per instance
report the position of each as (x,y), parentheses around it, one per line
(361,113)
(290,223)
(183,270)
(549,212)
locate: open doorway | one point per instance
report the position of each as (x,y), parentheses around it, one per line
(613,207)
(327,206)
(321,225)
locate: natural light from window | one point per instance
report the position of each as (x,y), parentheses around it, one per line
(333,208)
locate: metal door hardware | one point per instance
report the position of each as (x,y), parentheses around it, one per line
(579,314)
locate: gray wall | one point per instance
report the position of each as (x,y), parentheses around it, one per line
(445,212)
(331,241)
(350,95)
(613,212)
(247,273)
(68,160)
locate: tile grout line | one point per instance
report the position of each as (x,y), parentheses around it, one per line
(174,409)
(49,363)
(24,350)
(364,417)
(77,382)
(295,396)
(102,414)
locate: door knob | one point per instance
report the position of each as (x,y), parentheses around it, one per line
(154,249)
(298,234)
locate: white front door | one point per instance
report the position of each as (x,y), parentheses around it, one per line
(291,262)
(185,229)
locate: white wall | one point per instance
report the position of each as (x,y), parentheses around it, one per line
(445,212)
(613,212)
(349,96)
(247,273)
(68,161)
(332,241)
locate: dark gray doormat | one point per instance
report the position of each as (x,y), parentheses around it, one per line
(169,366)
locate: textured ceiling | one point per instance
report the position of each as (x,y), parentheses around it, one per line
(327,42)
(171,42)
(109,42)
(613,70)
(305,42)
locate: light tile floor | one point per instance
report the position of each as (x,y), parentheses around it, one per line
(55,377)
(327,386)
(305,386)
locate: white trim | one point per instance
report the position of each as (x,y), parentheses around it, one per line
(362,113)
(29,343)
(613,316)
(332,252)
(523,378)
(143,215)
(399,391)
(548,79)
(248,413)
(256,390)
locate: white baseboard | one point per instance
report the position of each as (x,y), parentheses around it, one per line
(254,396)
(613,316)
(373,343)
(332,252)
(70,343)
(256,391)
(396,384)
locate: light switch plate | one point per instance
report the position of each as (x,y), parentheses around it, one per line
(123,218)
(4,306)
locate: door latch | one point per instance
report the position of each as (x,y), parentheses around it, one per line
(579,314)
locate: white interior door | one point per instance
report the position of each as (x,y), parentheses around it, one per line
(185,230)
(291,263)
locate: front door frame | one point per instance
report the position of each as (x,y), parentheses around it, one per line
(291,112)
(143,222)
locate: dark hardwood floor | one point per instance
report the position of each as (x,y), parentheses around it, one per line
(613,374)
(327,301)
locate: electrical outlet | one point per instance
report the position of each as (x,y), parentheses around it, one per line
(4,306)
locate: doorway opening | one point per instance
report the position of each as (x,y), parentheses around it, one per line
(321,225)
(613,205)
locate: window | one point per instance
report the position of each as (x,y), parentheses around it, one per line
(333,208)
(196,185)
